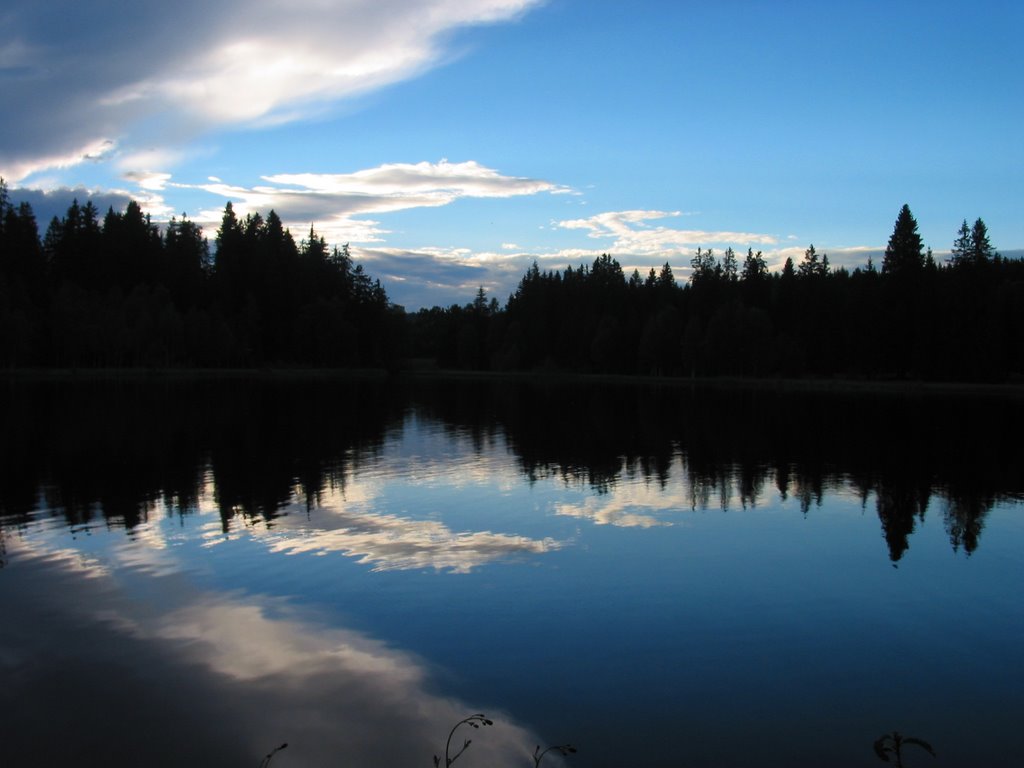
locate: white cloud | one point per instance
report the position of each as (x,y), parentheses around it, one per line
(152,181)
(850,257)
(443,180)
(145,160)
(337,204)
(15,168)
(164,73)
(630,234)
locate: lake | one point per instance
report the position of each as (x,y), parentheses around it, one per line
(197,571)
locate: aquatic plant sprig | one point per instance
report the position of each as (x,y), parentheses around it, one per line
(270,755)
(892,744)
(562,749)
(474,721)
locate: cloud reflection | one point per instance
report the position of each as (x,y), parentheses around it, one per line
(635,505)
(202,678)
(393,543)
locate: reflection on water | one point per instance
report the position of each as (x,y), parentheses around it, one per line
(98,675)
(661,576)
(396,543)
(118,451)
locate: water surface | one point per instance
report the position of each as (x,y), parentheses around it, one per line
(195,572)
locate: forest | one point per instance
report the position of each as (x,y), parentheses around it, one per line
(123,292)
(909,318)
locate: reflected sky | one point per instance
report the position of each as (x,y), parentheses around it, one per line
(680,612)
(388,542)
(102,672)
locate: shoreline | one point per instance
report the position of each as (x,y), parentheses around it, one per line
(1011,389)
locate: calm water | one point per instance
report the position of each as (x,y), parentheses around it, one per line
(194,573)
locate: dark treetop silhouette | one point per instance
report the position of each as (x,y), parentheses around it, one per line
(121,293)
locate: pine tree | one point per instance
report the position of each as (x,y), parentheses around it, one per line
(729,267)
(981,249)
(903,254)
(704,266)
(666,280)
(5,204)
(960,255)
(754,266)
(811,266)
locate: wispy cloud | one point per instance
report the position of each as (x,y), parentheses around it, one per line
(165,73)
(338,203)
(628,232)
(443,180)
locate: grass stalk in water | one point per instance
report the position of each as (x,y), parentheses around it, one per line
(474,721)
(893,743)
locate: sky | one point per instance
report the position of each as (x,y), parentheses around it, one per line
(452,143)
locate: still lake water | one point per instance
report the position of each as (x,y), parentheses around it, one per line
(194,572)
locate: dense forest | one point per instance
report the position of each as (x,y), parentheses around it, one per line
(911,318)
(122,292)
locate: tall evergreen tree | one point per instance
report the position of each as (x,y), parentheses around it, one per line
(981,249)
(811,266)
(666,280)
(729,267)
(754,266)
(960,255)
(704,266)
(5,203)
(904,253)
(186,261)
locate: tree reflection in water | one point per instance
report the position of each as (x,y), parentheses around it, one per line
(114,450)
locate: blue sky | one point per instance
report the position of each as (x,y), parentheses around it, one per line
(454,142)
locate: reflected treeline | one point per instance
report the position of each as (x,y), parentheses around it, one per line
(735,446)
(115,450)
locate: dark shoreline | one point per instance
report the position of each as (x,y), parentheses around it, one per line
(1013,389)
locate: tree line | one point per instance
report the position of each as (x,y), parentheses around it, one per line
(912,317)
(119,292)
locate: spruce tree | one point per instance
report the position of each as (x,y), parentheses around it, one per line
(981,249)
(754,267)
(903,254)
(960,255)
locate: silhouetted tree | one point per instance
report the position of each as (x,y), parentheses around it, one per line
(186,261)
(903,254)
(704,267)
(729,266)
(754,266)
(961,252)
(811,266)
(981,249)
